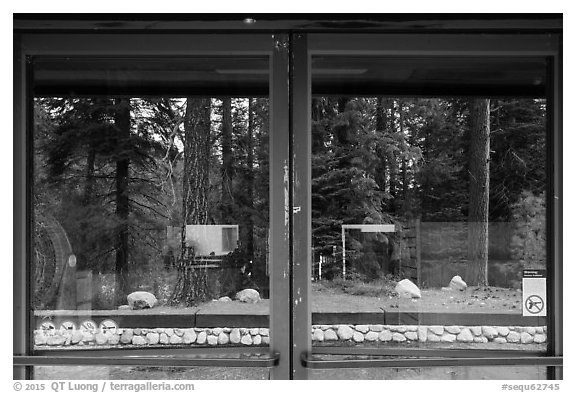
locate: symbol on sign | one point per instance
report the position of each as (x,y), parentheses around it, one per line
(534,304)
(47,326)
(88,326)
(68,326)
(108,325)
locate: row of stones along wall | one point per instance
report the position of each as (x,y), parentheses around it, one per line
(320,333)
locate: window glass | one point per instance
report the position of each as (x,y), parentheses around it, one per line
(150,209)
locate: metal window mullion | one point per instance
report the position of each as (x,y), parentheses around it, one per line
(302,189)
(280,325)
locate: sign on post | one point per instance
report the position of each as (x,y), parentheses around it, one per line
(534,293)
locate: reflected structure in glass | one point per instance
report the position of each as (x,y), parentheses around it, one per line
(150,212)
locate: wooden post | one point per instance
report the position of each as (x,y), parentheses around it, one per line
(418,251)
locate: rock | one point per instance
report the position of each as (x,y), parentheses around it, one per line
(189,336)
(153,338)
(362,328)
(539,338)
(411,328)
(101,338)
(438,330)
(447,338)
(476,330)
(408,289)
(513,337)
(76,337)
(385,336)
(160,330)
(141,299)
(138,340)
(398,337)
(138,332)
(399,329)
(216,331)
(500,340)
(223,339)
(235,336)
(422,334)
(330,335)
(248,296)
(263,332)
(87,337)
(457,283)
(452,329)
(433,338)
(376,328)
(325,327)
(318,335)
(465,336)
(257,339)
(503,331)
(529,330)
(224,299)
(345,332)
(254,331)
(526,338)
(480,339)
(212,340)
(40,339)
(539,329)
(489,332)
(124,307)
(169,332)
(175,340)
(246,339)
(226,330)
(164,339)
(113,339)
(371,336)
(201,338)
(358,337)
(412,336)
(266,340)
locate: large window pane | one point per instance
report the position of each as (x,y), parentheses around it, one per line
(150,210)
(429,214)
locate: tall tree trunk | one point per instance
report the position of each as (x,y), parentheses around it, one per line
(479,167)
(191,284)
(250,182)
(393,159)
(122,121)
(380,175)
(227,161)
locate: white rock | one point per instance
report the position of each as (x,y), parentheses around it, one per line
(376,328)
(362,328)
(248,296)
(212,340)
(457,283)
(246,339)
(408,289)
(169,332)
(399,329)
(513,337)
(235,336)
(264,331)
(152,338)
(476,330)
(124,307)
(216,331)
(254,331)
(330,335)
(412,336)
(411,328)
(398,337)
(452,329)
(318,335)
(503,331)
(257,339)
(438,330)
(358,337)
(433,338)
(345,332)
(201,338)
(480,339)
(224,299)
(489,332)
(422,334)
(447,338)
(266,340)
(385,336)
(164,339)
(526,338)
(223,338)
(101,339)
(465,336)
(175,340)
(371,336)
(141,299)
(40,339)
(138,340)
(539,338)
(189,336)
(500,340)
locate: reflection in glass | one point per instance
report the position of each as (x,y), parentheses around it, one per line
(426,212)
(150,216)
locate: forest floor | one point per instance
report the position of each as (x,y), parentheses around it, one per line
(327,298)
